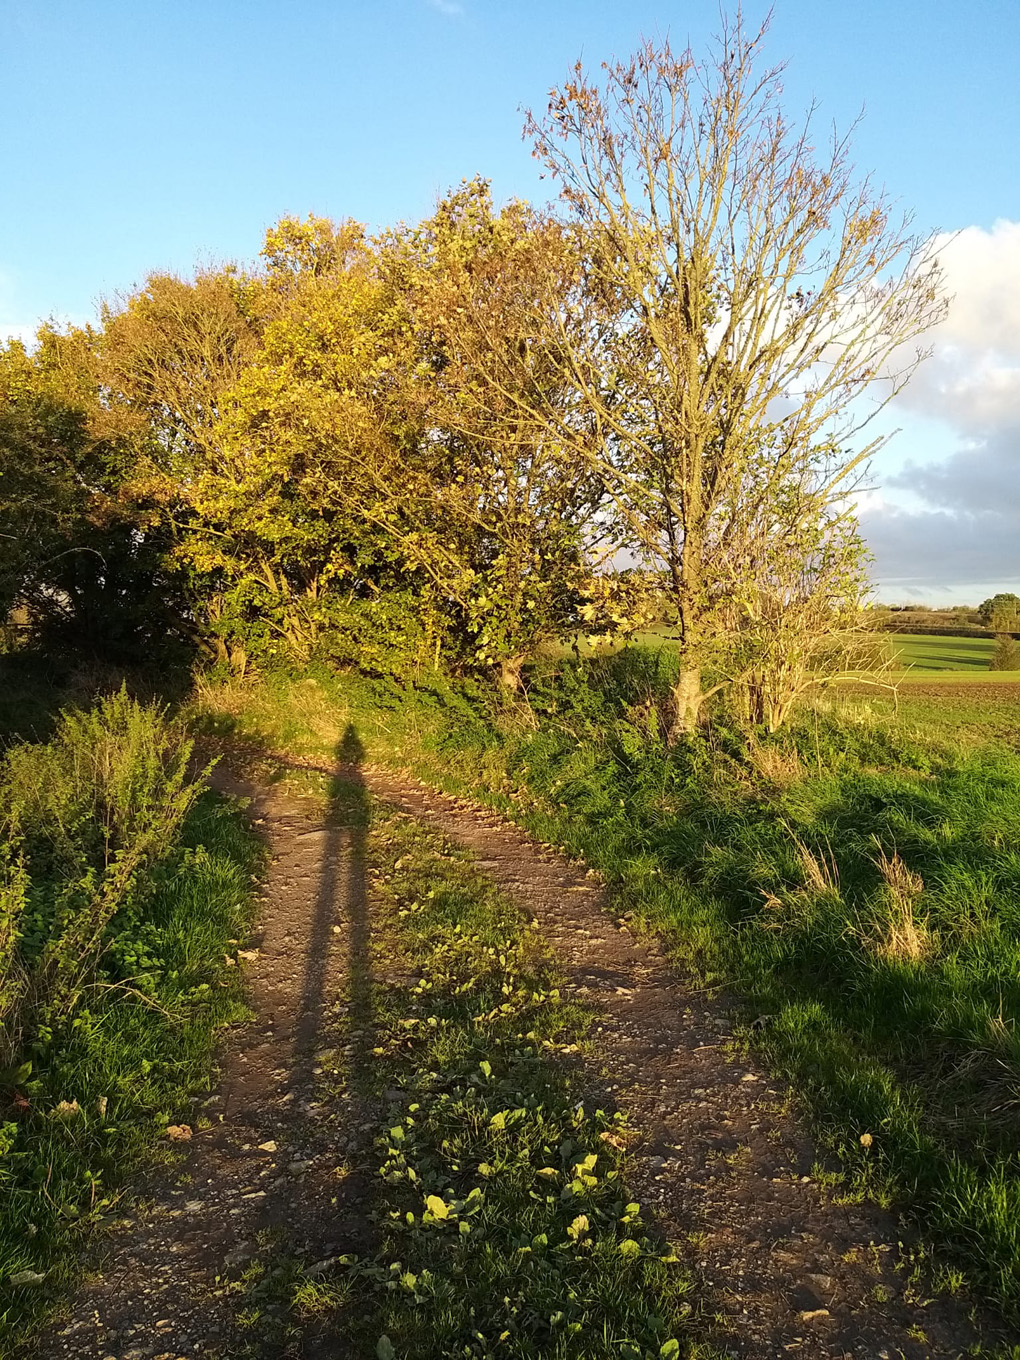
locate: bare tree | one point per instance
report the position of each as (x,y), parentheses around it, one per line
(759,304)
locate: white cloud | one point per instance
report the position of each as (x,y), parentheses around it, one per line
(451,8)
(966,524)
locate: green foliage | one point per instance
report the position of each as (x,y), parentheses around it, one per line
(90,814)
(395,633)
(80,559)
(1001,613)
(122,887)
(1006,656)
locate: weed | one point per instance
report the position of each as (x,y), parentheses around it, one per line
(122,885)
(905,939)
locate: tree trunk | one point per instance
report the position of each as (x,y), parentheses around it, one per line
(687,700)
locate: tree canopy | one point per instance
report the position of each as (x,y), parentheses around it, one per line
(459,441)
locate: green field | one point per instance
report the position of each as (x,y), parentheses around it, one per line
(923,652)
(920,655)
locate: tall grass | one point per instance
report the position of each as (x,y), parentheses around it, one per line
(855,881)
(123,884)
(93,812)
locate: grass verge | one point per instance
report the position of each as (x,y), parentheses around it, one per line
(124,888)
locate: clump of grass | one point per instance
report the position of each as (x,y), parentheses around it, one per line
(773,765)
(123,884)
(905,938)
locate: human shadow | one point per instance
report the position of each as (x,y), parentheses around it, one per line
(317,1210)
(342,891)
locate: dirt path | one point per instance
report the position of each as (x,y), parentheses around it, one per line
(788,1271)
(262,1177)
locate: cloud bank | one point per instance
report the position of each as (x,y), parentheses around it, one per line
(958,520)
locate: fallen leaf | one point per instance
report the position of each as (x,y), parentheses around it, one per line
(26,1277)
(66,1109)
(178,1133)
(267,1147)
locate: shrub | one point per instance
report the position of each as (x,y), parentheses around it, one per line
(1006,656)
(87,818)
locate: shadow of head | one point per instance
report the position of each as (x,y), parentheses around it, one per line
(350,749)
(347,796)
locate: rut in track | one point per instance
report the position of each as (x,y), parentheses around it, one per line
(728,1173)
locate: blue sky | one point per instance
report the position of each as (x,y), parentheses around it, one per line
(145,135)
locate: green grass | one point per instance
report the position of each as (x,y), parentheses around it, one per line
(855,880)
(959,713)
(504,1221)
(918,652)
(920,657)
(113,981)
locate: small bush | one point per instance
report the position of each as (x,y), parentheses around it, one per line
(1006,656)
(90,814)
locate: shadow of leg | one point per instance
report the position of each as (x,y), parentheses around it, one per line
(342,891)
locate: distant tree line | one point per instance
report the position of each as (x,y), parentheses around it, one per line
(454,442)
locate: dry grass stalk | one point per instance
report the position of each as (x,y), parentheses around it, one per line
(821,872)
(906,939)
(775,766)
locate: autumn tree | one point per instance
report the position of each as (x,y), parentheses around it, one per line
(1001,612)
(497,508)
(317,432)
(75,556)
(169,355)
(764,301)
(365,409)
(173,350)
